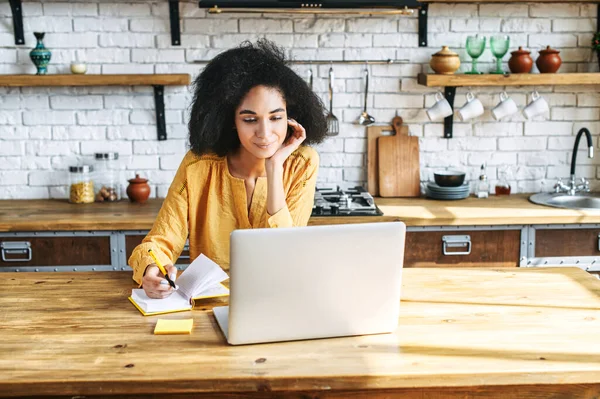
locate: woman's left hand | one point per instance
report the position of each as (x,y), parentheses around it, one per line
(290,145)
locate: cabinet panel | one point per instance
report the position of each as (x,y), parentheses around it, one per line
(488,248)
(55,251)
(132,241)
(567,242)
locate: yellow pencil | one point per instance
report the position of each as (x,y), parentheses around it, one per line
(161,268)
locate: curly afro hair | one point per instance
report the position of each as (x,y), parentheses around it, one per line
(228,77)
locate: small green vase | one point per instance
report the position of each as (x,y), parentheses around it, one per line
(40,55)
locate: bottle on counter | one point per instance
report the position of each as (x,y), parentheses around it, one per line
(483,187)
(81,185)
(503,186)
(107,177)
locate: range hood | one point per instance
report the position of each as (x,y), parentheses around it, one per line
(322,6)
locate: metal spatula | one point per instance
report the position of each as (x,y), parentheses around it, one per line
(333,128)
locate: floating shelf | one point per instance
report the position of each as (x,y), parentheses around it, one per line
(451,82)
(517,79)
(95,80)
(157,81)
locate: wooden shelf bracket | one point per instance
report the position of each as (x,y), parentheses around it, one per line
(159,102)
(17,14)
(175,24)
(449,93)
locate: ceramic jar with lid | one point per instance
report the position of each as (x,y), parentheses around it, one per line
(520,61)
(138,189)
(445,61)
(548,61)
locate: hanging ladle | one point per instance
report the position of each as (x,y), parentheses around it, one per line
(364,118)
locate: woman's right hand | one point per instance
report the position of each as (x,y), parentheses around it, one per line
(155,285)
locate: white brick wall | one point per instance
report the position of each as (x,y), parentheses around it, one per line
(44,130)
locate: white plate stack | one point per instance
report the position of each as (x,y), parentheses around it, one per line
(434,191)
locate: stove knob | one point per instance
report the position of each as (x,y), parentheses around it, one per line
(319,210)
(335,209)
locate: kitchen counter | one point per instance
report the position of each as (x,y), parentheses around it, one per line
(462,333)
(56,215)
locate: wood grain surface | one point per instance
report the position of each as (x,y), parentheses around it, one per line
(178,79)
(569,242)
(62,251)
(59,215)
(476,333)
(489,248)
(515,79)
(373,133)
(399,169)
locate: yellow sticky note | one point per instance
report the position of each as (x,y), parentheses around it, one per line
(173,326)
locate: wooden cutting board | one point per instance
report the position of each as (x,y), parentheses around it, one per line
(398,158)
(373,132)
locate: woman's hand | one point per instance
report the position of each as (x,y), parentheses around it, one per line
(155,285)
(290,145)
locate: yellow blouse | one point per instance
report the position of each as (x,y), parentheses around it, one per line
(207,202)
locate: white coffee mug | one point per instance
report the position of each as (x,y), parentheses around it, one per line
(536,107)
(506,107)
(440,109)
(472,108)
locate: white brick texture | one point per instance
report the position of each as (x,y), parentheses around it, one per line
(44,130)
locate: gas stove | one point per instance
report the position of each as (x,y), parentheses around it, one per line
(355,201)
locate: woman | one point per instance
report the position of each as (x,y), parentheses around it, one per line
(247,167)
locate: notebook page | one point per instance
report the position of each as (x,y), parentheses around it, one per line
(198,276)
(175,301)
(214,291)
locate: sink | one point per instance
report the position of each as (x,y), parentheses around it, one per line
(562,200)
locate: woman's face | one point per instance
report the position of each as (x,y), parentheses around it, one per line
(261,121)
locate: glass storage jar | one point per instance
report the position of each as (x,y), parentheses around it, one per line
(108,177)
(81,184)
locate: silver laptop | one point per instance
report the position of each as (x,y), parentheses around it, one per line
(313,282)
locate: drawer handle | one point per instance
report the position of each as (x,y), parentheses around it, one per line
(16,248)
(456,242)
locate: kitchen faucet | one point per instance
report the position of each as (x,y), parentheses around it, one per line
(574,188)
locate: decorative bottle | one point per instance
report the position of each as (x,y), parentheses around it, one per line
(40,55)
(483,187)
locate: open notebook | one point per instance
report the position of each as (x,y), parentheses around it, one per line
(202,279)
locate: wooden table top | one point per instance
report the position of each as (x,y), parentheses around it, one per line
(534,332)
(59,215)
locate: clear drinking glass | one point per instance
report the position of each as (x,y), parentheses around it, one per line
(475,47)
(499,47)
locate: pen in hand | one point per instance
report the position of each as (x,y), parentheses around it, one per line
(162,269)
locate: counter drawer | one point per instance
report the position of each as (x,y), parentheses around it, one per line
(566,242)
(464,248)
(24,251)
(132,241)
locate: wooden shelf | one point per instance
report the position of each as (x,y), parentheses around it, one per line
(157,81)
(95,80)
(451,82)
(524,79)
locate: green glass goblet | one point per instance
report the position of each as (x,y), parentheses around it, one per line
(475,47)
(499,47)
